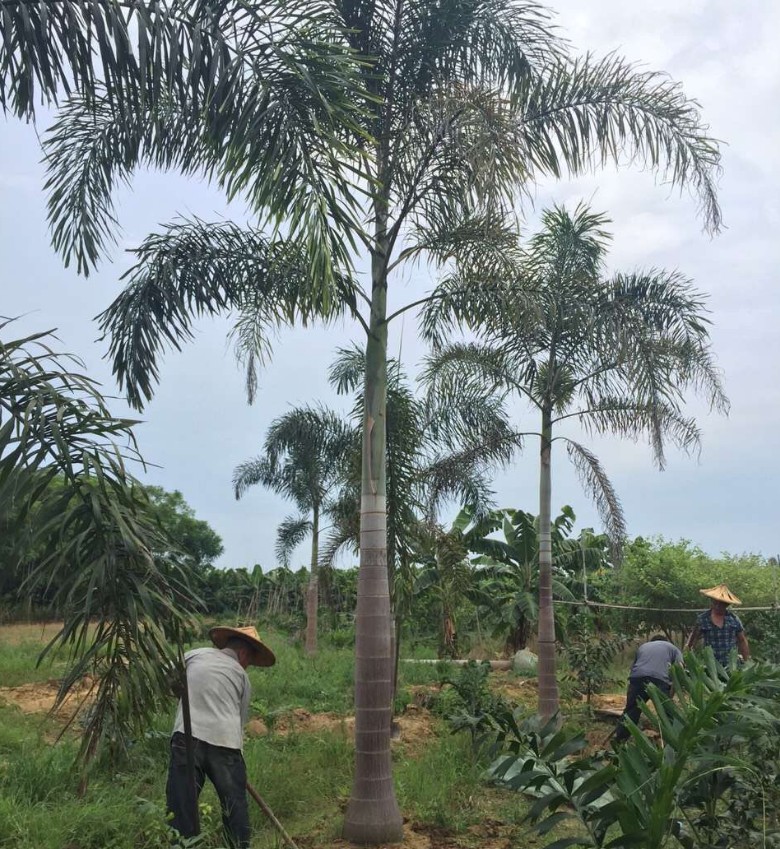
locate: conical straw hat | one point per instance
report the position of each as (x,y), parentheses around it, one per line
(721,593)
(261,655)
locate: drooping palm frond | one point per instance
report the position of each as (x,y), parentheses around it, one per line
(594,479)
(474,373)
(577,115)
(348,369)
(663,320)
(292,531)
(47,50)
(272,129)
(633,418)
(343,511)
(250,473)
(193,268)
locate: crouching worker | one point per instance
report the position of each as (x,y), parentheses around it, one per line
(651,666)
(219,696)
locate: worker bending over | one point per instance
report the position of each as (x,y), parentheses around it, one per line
(651,666)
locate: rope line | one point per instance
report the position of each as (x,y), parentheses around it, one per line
(588,603)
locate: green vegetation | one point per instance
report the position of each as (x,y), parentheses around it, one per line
(303,772)
(364,135)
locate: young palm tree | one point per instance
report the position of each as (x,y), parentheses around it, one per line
(614,354)
(433,458)
(303,458)
(94,538)
(460,104)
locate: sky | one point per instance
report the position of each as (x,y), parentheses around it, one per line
(199,427)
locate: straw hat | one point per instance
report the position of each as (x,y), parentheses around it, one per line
(261,655)
(721,593)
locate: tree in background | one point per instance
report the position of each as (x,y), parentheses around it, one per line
(95,538)
(666,576)
(614,354)
(434,458)
(191,536)
(461,104)
(304,456)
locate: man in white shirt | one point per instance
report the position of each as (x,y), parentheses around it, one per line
(219,696)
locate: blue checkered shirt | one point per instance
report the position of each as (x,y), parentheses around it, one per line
(720,640)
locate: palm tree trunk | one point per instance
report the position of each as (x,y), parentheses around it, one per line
(313,592)
(548,683)
(372,815)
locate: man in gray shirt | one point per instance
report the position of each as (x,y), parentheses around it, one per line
(651,666)
(219,695)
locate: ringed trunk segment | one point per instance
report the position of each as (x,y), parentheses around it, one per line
(373,815)
(548,683)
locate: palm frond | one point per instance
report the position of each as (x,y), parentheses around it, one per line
(455,41)
(54,49)
(595,481)
(292,531)
(193,268)
(577,115)
(270,130)
(632,418)
(250,473)
(101,556)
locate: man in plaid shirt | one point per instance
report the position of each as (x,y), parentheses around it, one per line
(719,628)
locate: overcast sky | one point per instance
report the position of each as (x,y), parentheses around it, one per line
(198,427)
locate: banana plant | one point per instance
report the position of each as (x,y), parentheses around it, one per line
(509,570)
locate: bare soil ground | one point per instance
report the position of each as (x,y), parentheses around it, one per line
(41,697)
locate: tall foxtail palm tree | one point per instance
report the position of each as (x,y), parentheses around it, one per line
(461,104)
(615,354)
(303,458)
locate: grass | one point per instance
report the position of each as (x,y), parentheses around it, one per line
(305,776)
(19,662)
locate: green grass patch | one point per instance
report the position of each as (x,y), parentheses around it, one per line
(19,663)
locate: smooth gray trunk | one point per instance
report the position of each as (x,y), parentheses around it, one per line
(313,592)
(548,683)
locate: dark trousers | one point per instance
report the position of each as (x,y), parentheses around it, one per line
(226,770)
(637,692)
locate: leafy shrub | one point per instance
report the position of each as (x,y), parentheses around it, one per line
(651,793)
(589,654)
(470,705)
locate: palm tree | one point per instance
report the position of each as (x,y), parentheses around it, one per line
(615,354)
(94,537)
(434,458)
(303,458)
(460,104)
